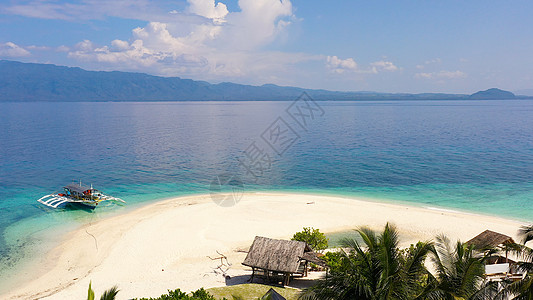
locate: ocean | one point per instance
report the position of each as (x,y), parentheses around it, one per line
(473,156)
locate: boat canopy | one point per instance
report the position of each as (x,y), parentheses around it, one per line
(78,188)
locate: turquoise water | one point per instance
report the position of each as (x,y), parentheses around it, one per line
(464,155)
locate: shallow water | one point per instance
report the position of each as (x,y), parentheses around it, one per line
(465,155)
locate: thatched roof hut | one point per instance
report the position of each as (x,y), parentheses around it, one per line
(490,238)
(276,255)
(280,256)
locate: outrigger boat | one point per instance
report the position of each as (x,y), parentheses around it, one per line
(77,194)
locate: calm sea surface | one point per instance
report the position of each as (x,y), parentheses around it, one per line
(465,155)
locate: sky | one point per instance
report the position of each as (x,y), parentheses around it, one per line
(409,46)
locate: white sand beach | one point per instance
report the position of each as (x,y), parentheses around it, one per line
(166,245)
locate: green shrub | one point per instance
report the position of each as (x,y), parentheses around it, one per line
(177,294)
(334,260)
(313,237)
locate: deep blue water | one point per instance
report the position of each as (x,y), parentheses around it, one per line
(474,156)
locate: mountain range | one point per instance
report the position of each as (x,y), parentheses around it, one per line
(45,82)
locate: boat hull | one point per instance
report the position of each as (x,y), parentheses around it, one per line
(57,200)
(83,205)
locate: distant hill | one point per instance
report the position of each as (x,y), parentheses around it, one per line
(45,82)
(492,94)
(41,82)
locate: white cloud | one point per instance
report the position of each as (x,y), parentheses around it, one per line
(339,66)
(258,23)
(441,75)
(62,48)
(38,48)
(434,61)
(451,74)
(208,9)
(434,64)
(383,66)
(226,44)
(37,9)
(85,45)
(119,45)
(424,75)
(10,49)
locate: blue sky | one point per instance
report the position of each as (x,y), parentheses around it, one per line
(386,46)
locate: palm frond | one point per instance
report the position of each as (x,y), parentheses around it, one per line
(414,264)
(521,289)
(90,292)
(369,237)
(459,270)
(110,294)
(526,233)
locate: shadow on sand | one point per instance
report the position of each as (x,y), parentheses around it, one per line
(297,282)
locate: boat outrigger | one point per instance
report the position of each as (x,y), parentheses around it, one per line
(77,194)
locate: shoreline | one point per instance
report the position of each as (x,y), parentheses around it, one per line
(357,195)
(164,244)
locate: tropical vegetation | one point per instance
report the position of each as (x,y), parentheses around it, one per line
(109,294)
(177,294)
(313,237)
(521,289)
(459,272)
(376,268)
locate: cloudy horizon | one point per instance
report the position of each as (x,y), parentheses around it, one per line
(414,47)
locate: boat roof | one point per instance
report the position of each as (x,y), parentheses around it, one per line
(78,188)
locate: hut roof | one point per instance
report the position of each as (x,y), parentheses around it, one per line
(314,258)
(273,295)
(490,238)
(276,255)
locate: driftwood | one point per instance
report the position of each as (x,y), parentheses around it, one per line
(224,265)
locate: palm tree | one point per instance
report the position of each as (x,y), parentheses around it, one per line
(376,270)
(459,272)
(522,289)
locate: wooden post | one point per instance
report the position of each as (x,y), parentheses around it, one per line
(287,278)
(253,273)
(506,259)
